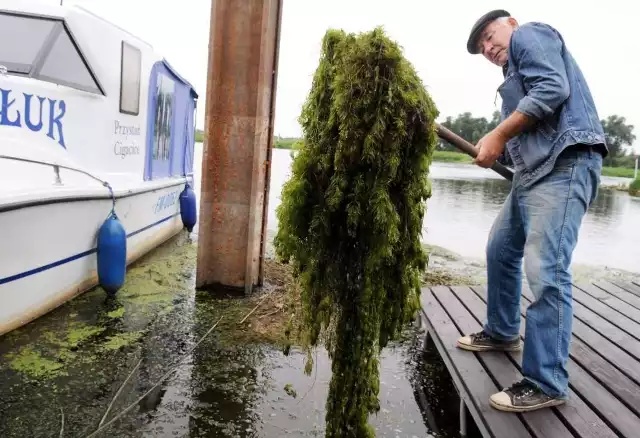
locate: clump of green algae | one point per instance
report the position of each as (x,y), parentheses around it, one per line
(288,388)
(121,340)
(351,213)
(32,363)
(150,287)
(80,333)
(118,313)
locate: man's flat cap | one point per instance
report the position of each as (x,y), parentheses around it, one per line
(479,26)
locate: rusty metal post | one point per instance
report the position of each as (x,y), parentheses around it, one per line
(241,82)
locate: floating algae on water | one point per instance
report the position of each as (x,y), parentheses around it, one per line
(351,213)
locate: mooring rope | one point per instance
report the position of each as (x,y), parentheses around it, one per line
(61,422)
(158,382)
(115,397)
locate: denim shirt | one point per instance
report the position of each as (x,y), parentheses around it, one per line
(542,80)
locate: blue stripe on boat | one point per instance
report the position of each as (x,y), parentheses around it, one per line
(75,257)
(152,225)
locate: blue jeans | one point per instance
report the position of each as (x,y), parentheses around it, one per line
(540,224)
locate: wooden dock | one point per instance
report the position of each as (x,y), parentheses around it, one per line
(604,364)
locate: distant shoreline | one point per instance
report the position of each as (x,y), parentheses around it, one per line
(440,156)
(458,157)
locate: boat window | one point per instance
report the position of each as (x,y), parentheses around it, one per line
(130,79)
(27,37)
(164,116)
(41,48)
(65,66)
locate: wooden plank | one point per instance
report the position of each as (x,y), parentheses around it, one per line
(619,358)
(576,413)
(625,296)
(596,292)
(542,422)
(616,382)
(623,340)
(611,352)
(628,286)
(612,287)
(610,331)
(471,379)
(613,316)
(610,300)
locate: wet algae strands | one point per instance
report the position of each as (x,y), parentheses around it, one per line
(351,213)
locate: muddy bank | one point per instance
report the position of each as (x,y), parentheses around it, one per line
(448,267)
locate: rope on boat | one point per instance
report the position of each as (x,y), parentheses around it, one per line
(113,197)
(74,169)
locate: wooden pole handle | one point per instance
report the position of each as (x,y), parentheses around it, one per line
(469,149)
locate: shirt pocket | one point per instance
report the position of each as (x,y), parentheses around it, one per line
(511,91)
(545,128)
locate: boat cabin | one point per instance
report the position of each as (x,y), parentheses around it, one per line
(79,91)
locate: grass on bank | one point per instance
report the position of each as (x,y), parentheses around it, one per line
(278,142)
(634,187)
(457,157)
(622,172)
(451,157)
(440,156)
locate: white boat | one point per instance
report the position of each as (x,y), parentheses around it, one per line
(90,115)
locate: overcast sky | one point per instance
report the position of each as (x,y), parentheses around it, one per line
(433,35)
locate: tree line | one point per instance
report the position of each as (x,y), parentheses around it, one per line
(618,133)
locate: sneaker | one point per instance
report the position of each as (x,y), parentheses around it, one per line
(523,396)
(481,341)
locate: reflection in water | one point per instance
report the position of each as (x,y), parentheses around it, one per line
(226,379)
(609,235)
(460,214)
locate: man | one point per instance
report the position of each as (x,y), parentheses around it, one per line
(551,132)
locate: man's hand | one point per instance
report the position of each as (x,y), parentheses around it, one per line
(492,145)
(489,148)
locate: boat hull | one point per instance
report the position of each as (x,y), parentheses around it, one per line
(49,250)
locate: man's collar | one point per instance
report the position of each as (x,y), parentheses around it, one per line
(505,67)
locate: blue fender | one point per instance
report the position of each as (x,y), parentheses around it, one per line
(188,208)
(112,254)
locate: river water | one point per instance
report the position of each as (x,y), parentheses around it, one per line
(466,199)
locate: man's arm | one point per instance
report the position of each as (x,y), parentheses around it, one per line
(514,125)
(537,53)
